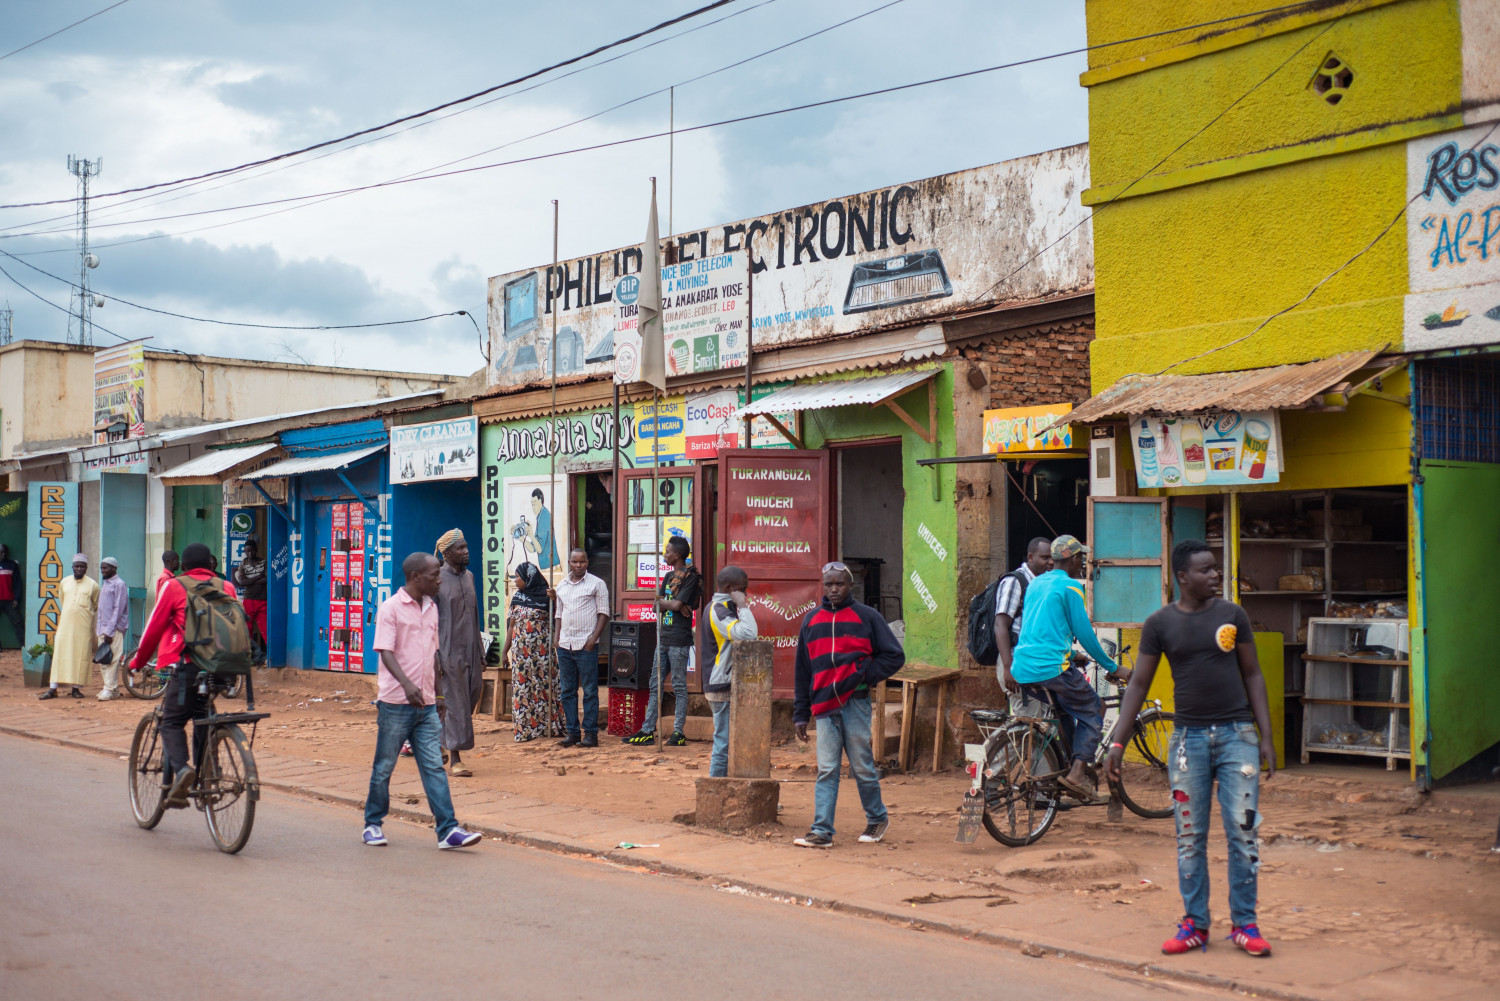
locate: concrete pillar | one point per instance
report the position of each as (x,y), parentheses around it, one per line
(748,797)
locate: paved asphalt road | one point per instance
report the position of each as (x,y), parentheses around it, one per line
(92,907)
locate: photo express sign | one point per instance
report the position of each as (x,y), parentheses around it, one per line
(897,256)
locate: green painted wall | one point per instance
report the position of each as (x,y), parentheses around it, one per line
(1460,549)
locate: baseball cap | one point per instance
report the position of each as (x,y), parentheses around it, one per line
(1065,546)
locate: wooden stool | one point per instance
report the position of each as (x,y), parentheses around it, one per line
(911,678)
(499,681)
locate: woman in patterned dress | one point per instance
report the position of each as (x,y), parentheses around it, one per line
(536,700)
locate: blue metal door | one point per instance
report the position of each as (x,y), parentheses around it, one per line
(1128,571)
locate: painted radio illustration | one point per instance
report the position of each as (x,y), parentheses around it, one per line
(896,281)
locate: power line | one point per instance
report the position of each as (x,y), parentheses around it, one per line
(38,295)
(404,118)
(322,198)
(59,31)
(947,78)
(183,191)
(232,323)
(1149,170)
(1304,4)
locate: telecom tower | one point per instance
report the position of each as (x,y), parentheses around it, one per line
(7,316)
(81,322)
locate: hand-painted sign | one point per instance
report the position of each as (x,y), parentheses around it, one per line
(705,317)
(239,526)
(661,430)
(441,450)
(119,403)
(1227,449)
(53,508)
(1453,239)
(1014,429)
(895,256)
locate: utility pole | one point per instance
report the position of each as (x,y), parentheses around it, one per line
(84,318)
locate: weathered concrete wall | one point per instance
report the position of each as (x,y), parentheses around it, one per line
(46,396)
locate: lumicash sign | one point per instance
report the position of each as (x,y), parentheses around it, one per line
(53,509)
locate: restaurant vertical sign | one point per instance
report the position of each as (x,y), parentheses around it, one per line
(53,509)
(776,528)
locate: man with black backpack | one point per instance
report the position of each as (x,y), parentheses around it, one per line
(1010,598)
(218,637)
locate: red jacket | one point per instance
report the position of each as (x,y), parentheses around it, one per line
(163,635)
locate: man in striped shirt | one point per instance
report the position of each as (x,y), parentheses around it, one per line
(843,649)
(1011,597)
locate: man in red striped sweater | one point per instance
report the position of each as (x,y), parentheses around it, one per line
(843,649)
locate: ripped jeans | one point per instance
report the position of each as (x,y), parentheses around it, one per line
(1197,755)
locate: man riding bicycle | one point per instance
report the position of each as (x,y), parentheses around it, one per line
(1042,665)
(181,700)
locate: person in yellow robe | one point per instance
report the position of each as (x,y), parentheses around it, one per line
(73,644)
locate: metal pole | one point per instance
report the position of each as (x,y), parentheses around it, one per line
(658,658)
(749,333)
(671,159)
(615,495)
(552,470)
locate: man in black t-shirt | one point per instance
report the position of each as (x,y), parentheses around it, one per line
(1222,732)
(678,593)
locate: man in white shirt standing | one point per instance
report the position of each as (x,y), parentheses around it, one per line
(581,612)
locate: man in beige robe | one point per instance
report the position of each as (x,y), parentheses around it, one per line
(73,644)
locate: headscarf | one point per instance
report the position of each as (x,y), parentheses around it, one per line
(533,593)
(449,538)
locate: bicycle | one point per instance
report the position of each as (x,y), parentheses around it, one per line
(1015,792)
(148,683)
(228,784)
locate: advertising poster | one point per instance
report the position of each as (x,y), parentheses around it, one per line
(1014,429)
(530,503)
(711,425)
(53,516)
(647,564)
(704,315)
(660,434)
(441,450)
(239,525)
(1227,449)
(119,401)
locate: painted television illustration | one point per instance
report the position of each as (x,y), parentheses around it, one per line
(897,281)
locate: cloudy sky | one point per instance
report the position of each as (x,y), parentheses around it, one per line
(163,89)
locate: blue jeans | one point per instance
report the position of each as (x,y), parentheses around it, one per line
(579,669)
(419,725)
(1196,756)
(673,659)
(846,731)
(718,758)
(1072,693)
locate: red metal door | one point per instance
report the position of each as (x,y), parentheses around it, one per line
(774,518)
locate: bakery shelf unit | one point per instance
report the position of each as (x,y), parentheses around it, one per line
(1358,691)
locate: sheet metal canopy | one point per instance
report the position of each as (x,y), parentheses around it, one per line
(841,393)
(214,462)
(313,463)
(1278,388)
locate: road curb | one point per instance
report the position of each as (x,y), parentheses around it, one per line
(635,860)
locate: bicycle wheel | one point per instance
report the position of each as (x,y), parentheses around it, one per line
(147,797)
(228,786)
(147,683)
(1016,811)
(1144,786)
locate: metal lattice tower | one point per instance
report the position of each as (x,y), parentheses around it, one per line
(7,317)
(81,321)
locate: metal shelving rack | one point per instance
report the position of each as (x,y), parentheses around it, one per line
(1337,673)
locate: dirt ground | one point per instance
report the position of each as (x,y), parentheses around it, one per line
(1352,854)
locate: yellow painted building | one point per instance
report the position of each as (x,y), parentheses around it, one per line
(1304,185)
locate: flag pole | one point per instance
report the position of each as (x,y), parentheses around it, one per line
(749,335)
(659,657)
(552,477)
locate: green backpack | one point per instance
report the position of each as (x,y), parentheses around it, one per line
(216,636)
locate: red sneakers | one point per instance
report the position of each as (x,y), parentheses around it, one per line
(1189,937)
(1247,937)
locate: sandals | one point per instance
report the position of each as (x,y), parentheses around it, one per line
(460,771)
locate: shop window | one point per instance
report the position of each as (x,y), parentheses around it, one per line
(1458,408)
(1332,79)
(673,501)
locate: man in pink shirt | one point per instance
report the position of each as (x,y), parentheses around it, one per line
(406,637)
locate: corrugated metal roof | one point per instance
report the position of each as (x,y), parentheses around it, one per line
(216,461)
(312,463)
(1278,388)
(838,393)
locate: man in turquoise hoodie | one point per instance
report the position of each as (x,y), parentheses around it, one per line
(1042,664)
